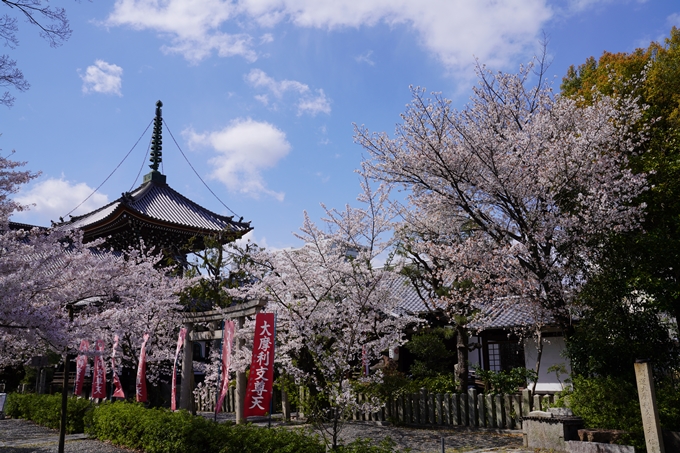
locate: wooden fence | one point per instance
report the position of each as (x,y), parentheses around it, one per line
(452,409)
(207,400)
(460,409)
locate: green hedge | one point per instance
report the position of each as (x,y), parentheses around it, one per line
(161,431)
(130,425)
(46,410)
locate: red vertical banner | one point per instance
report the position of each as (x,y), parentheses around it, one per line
(81,365)
(99,376)
(227,342)
(140,388)
(117,387)
(180,342)
(261,378)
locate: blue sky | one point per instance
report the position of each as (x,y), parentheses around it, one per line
(261,95)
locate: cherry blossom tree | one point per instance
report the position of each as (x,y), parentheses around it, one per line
(522,186)
(333,304)
(56,291)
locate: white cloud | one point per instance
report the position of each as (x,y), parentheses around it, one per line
(365,58)
(55,197)
(453,30)
(315,104)
(308,101)
(193,26)
(245,148)
(495,31)
(103,77)
(259,79)
(674,20)
(263,98)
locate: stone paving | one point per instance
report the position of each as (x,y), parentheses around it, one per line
(20,436)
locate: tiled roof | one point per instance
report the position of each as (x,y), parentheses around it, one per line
(159,202)
(508,313)
(502,314)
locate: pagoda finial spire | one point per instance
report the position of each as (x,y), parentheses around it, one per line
(157,139)
(156,147)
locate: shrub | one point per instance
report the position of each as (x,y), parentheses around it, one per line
(609,403)
(45,410)
(505,382)
(433,352)
(161,431)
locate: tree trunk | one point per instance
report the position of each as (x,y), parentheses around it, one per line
(335,428)
(64,405)
(462,348)
(539,353)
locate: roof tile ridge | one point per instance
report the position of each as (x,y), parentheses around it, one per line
(80,217)
(220,216)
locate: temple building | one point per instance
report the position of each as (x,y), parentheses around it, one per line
(156,214)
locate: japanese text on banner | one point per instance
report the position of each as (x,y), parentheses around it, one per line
(259,392)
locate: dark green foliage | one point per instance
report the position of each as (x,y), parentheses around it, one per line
(161,431)
(612,403)
(441,383)
(617,328)
(608,403)
(645,261)
(505,382)
(434,350)
(45,410)
(396,383)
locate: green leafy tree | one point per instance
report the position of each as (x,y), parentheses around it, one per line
(221,267)
(647,260)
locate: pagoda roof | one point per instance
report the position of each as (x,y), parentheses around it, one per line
(156,205)
(155,213)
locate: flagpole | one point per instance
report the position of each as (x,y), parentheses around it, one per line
(271,400)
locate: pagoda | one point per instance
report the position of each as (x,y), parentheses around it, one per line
(156,214)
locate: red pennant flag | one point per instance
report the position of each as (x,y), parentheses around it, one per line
(117,388)
(260,380)
(81,364)
(227,341)
(99,376)
(180,342)
(141,373)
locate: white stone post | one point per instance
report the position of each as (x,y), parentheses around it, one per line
(186,400)
(241,381)
(650,414)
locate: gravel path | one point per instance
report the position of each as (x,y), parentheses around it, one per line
(21,436)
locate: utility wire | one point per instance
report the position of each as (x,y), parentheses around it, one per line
(114,170)
(141,166)
(195,172)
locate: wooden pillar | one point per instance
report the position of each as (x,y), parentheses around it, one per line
(241,381)
(186,398)
(650,414)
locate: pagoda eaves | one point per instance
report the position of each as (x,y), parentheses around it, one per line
(156,214)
